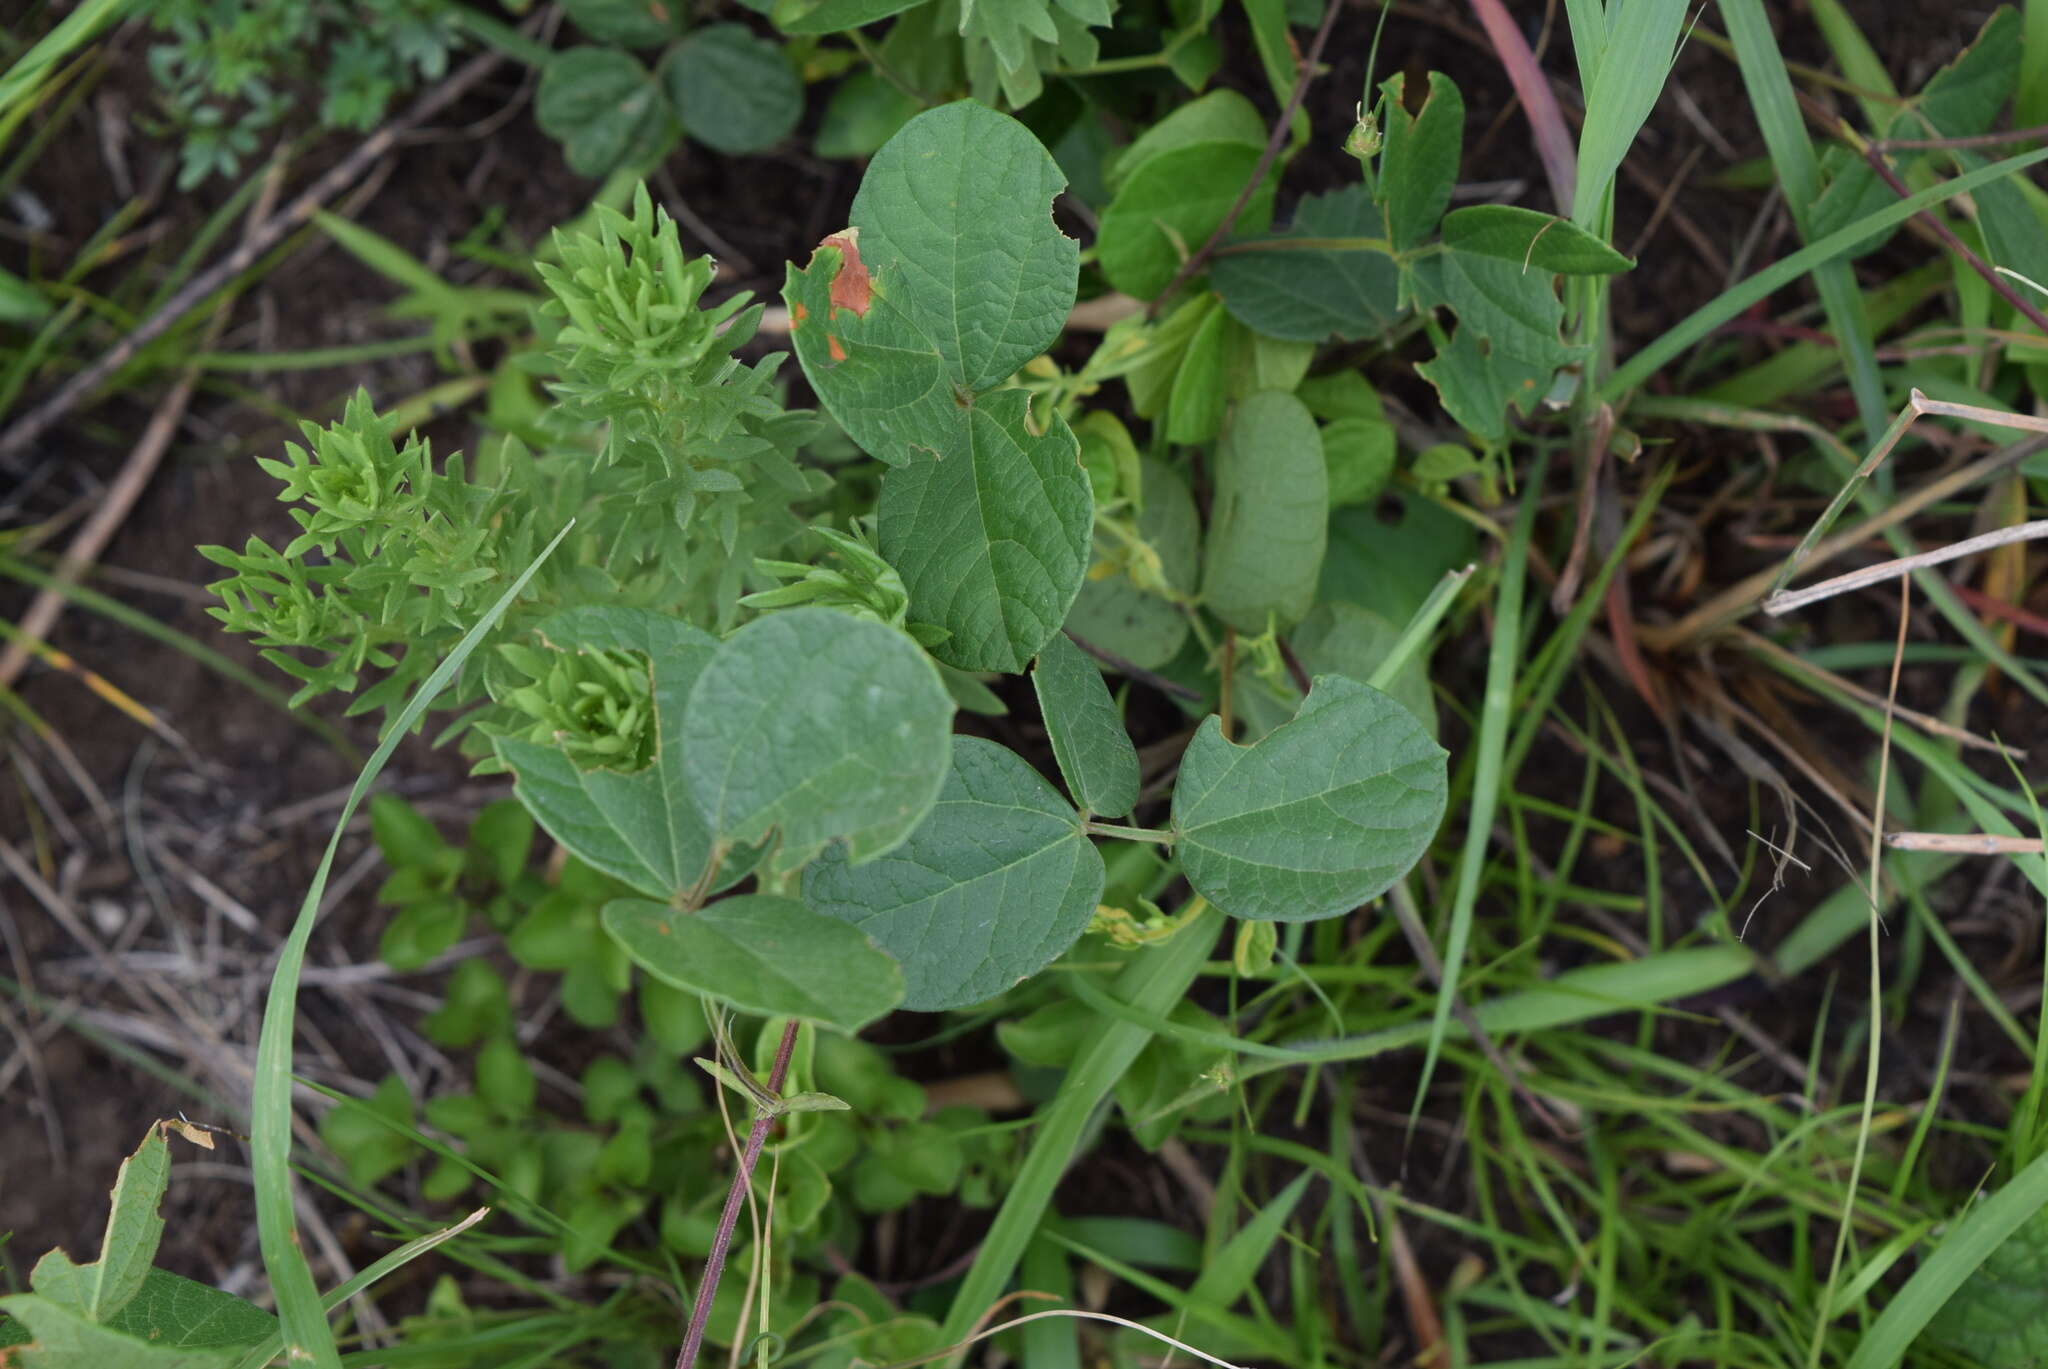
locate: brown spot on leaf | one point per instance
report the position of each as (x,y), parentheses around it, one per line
(852,287)
(834,348)
(797,313)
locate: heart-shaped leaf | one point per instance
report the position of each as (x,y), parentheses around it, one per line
(1319,815)
(992,542)
(1094,752)
(644,827)
(762,954)
(952,277)
(997,882)
(815,726)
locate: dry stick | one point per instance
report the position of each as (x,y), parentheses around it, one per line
(1306,74)
(1905,565)
(1964,843)
(38,420)
(1949,239)
(742,1184)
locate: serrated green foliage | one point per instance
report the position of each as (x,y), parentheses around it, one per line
(1531,240)
(1007,45)
(1478,387)
(862,584)
(642,827)
(1311,295)
(734,92)
(1094,751)
(1168,207)
(992,542)
(1419,164)
(695,476)
(603,107)
(762,954)
(1516,312)
(961,278)
(852,746)
(1315,818)
(995,883)
(1266,521)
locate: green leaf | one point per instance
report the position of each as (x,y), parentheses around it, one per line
(992,542)
(1307,295)
(835,16)
(814,726)
(1531,240)
(762,954)
(997,882)
(173,1312)
(1963,98)
(1349,640)
(369,1149)
(1194,409)
(1477,387)
(100,1289)
(1388,558)
(1319,815)
(863,114)
(603,107)
(1267,520)
(629,23)
(1094,751)
(63,1338)
(732,90)
(403,835)
(1170,205)
(1221,116)
(1516,311)
(21,302)
(1358,453)
(644,827)
(1118,615)
(1993,1317)
(952,277)
(1420,164)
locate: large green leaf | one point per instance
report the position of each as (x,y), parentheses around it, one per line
(1388,558)
(1319,815)
(64,1338)
(1420,164)
(1534,241)
(171,1311)
(814,726)
(732,90)
(998,881)
(644,827)
(1170,205)
(1994,1317)
(1267,521)
(1307,295)
(1477,386)
(952,277)
(762,954)
(1094,752)
(992,542)
(1516,311)
(1221,116)
(134,1226)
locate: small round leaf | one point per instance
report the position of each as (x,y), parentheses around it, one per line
(732,90)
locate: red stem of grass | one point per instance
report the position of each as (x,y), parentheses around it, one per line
(742,1180)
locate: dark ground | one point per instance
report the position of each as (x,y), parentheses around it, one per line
(215,809)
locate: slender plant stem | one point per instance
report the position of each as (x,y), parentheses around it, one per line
(1200,256)
(742,1180)
(1111,829)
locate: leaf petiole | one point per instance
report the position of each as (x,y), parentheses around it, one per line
(1112,829)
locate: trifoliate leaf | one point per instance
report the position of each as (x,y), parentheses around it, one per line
(643,828)
(1094,751)
(762,954)
(1266,526)
(732,90)
(998,881)
(1318,816)
(992,542)
(813,726)
(952,276)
